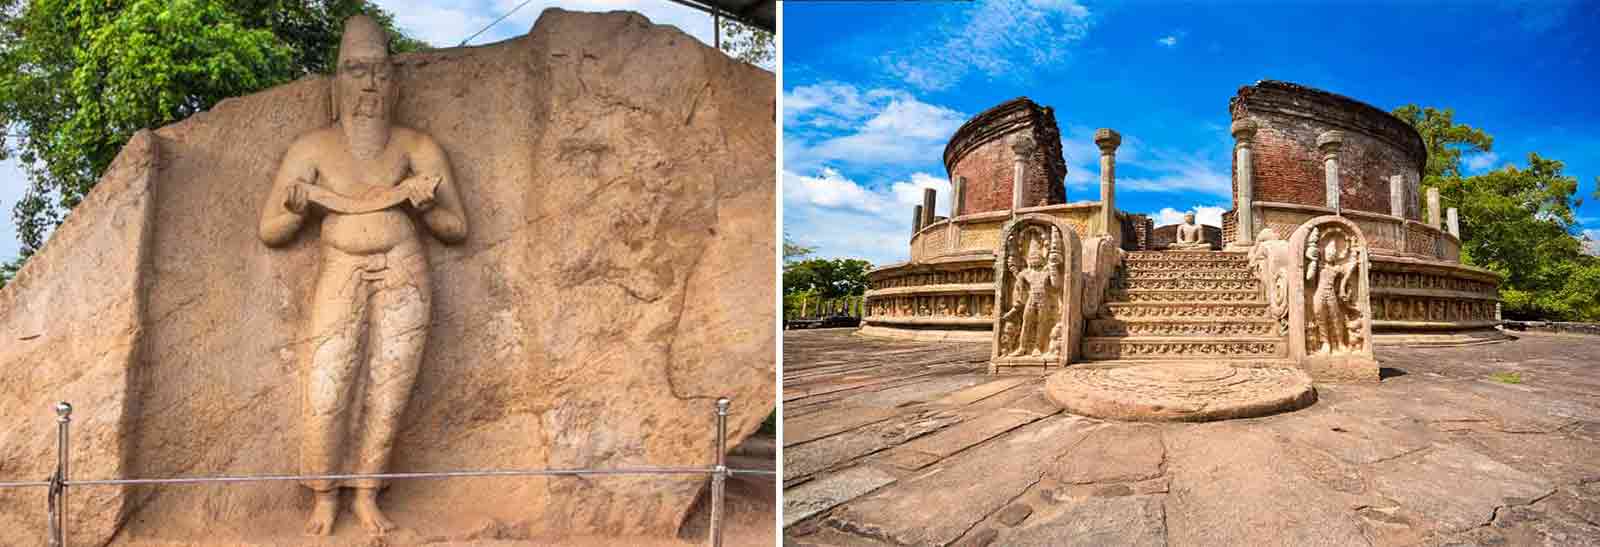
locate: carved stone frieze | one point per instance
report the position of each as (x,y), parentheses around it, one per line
(1122,349)
(1038,296)
(1116,327)
(1170,310)
(1330,316)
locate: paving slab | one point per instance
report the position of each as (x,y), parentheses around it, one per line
(803,460)
(940,505)
(983,391)
(1115,453)
(932,448)
(831,421)
(801,502)
(1135,521)
(1456,487)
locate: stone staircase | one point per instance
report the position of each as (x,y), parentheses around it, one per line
(1184,305)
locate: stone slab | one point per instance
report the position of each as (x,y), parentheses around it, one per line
(1116,453)
(801,502)
(806,459)
(1092,522)
(926,450)
(926,390)
(1456,487)
(938,506)
(823,423)
(1353,439)
(982,391)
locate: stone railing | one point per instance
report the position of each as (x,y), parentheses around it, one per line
(979,233)
(1387,235)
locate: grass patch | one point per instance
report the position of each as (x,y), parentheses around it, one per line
(1507,377)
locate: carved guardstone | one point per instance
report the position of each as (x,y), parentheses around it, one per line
(1038,315)
(1330,316)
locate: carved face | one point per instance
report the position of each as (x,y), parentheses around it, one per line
(1035,253)
(1188,218)
(364,89)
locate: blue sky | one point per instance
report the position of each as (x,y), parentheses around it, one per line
(443,23)
(873,90)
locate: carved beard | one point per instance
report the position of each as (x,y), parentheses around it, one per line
(366,123)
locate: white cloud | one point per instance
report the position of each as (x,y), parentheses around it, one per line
(1477,163)
(1168,40)
(834,122)
(1591,243)
(13,182)
(997,39)
(1210,215)
(843,218)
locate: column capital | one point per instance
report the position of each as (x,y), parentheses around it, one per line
(1022,144)
(1330,141)
(1243,131)
(1107,139)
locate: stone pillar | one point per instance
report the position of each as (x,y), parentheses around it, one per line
(1022,145)
(1329,143)
(916,219)
(1244,131)
(1397,196)
(1453,222)
(1108,141)
(1433,207)
(956,186)
(928,196)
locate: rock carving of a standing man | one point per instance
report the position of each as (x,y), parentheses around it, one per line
(373,183)
(1331,267)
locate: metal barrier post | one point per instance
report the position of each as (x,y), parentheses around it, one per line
(58,505)
(719,475)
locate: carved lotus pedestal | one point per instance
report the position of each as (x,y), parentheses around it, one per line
(1180,391)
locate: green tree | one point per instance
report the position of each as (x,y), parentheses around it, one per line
(826,278)
(79,77)
(1445,139)
(747,43)
(1520,223)
(794,251)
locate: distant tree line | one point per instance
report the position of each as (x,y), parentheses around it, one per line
(809,282)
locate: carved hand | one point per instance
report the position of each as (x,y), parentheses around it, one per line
(297,197)
(420,191)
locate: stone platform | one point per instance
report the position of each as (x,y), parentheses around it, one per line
(896,442)
(1179,391)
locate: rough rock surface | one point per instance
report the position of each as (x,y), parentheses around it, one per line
(618,177)
(1438,453)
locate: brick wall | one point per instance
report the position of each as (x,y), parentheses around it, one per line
(981,152)
(1288,167)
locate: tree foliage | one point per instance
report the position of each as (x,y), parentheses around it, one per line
(747,43)
(826,278)
(1518,222)
(79,77)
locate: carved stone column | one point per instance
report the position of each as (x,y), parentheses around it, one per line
(1433,207)
(1397,196)
(1108,141)
(928,197)
(916,219)
(1023,146)
(1244,132)
(953,235)
(1453,222)
(1329,143)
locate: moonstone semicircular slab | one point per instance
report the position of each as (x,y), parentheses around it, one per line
(1180,392)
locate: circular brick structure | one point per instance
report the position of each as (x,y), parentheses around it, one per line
(1180,391)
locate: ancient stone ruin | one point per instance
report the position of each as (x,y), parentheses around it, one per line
(553,252)
(1326,252)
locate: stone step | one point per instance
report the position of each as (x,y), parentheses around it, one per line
(1170,295)
(1234,275)
(1176,347)
(1183,327)
(1185,310)
(1124,284)
(1156,255)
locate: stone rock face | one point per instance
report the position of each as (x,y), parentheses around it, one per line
(618,177)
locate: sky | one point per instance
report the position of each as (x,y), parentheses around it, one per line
(873,90)
(442,23)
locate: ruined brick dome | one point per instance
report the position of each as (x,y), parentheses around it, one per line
(979,158)
(1380,156)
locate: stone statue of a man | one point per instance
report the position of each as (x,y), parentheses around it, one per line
(1189,237)
(1333,306)
(1042,278)
(373,183)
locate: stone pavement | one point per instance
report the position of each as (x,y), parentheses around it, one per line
(894,442)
